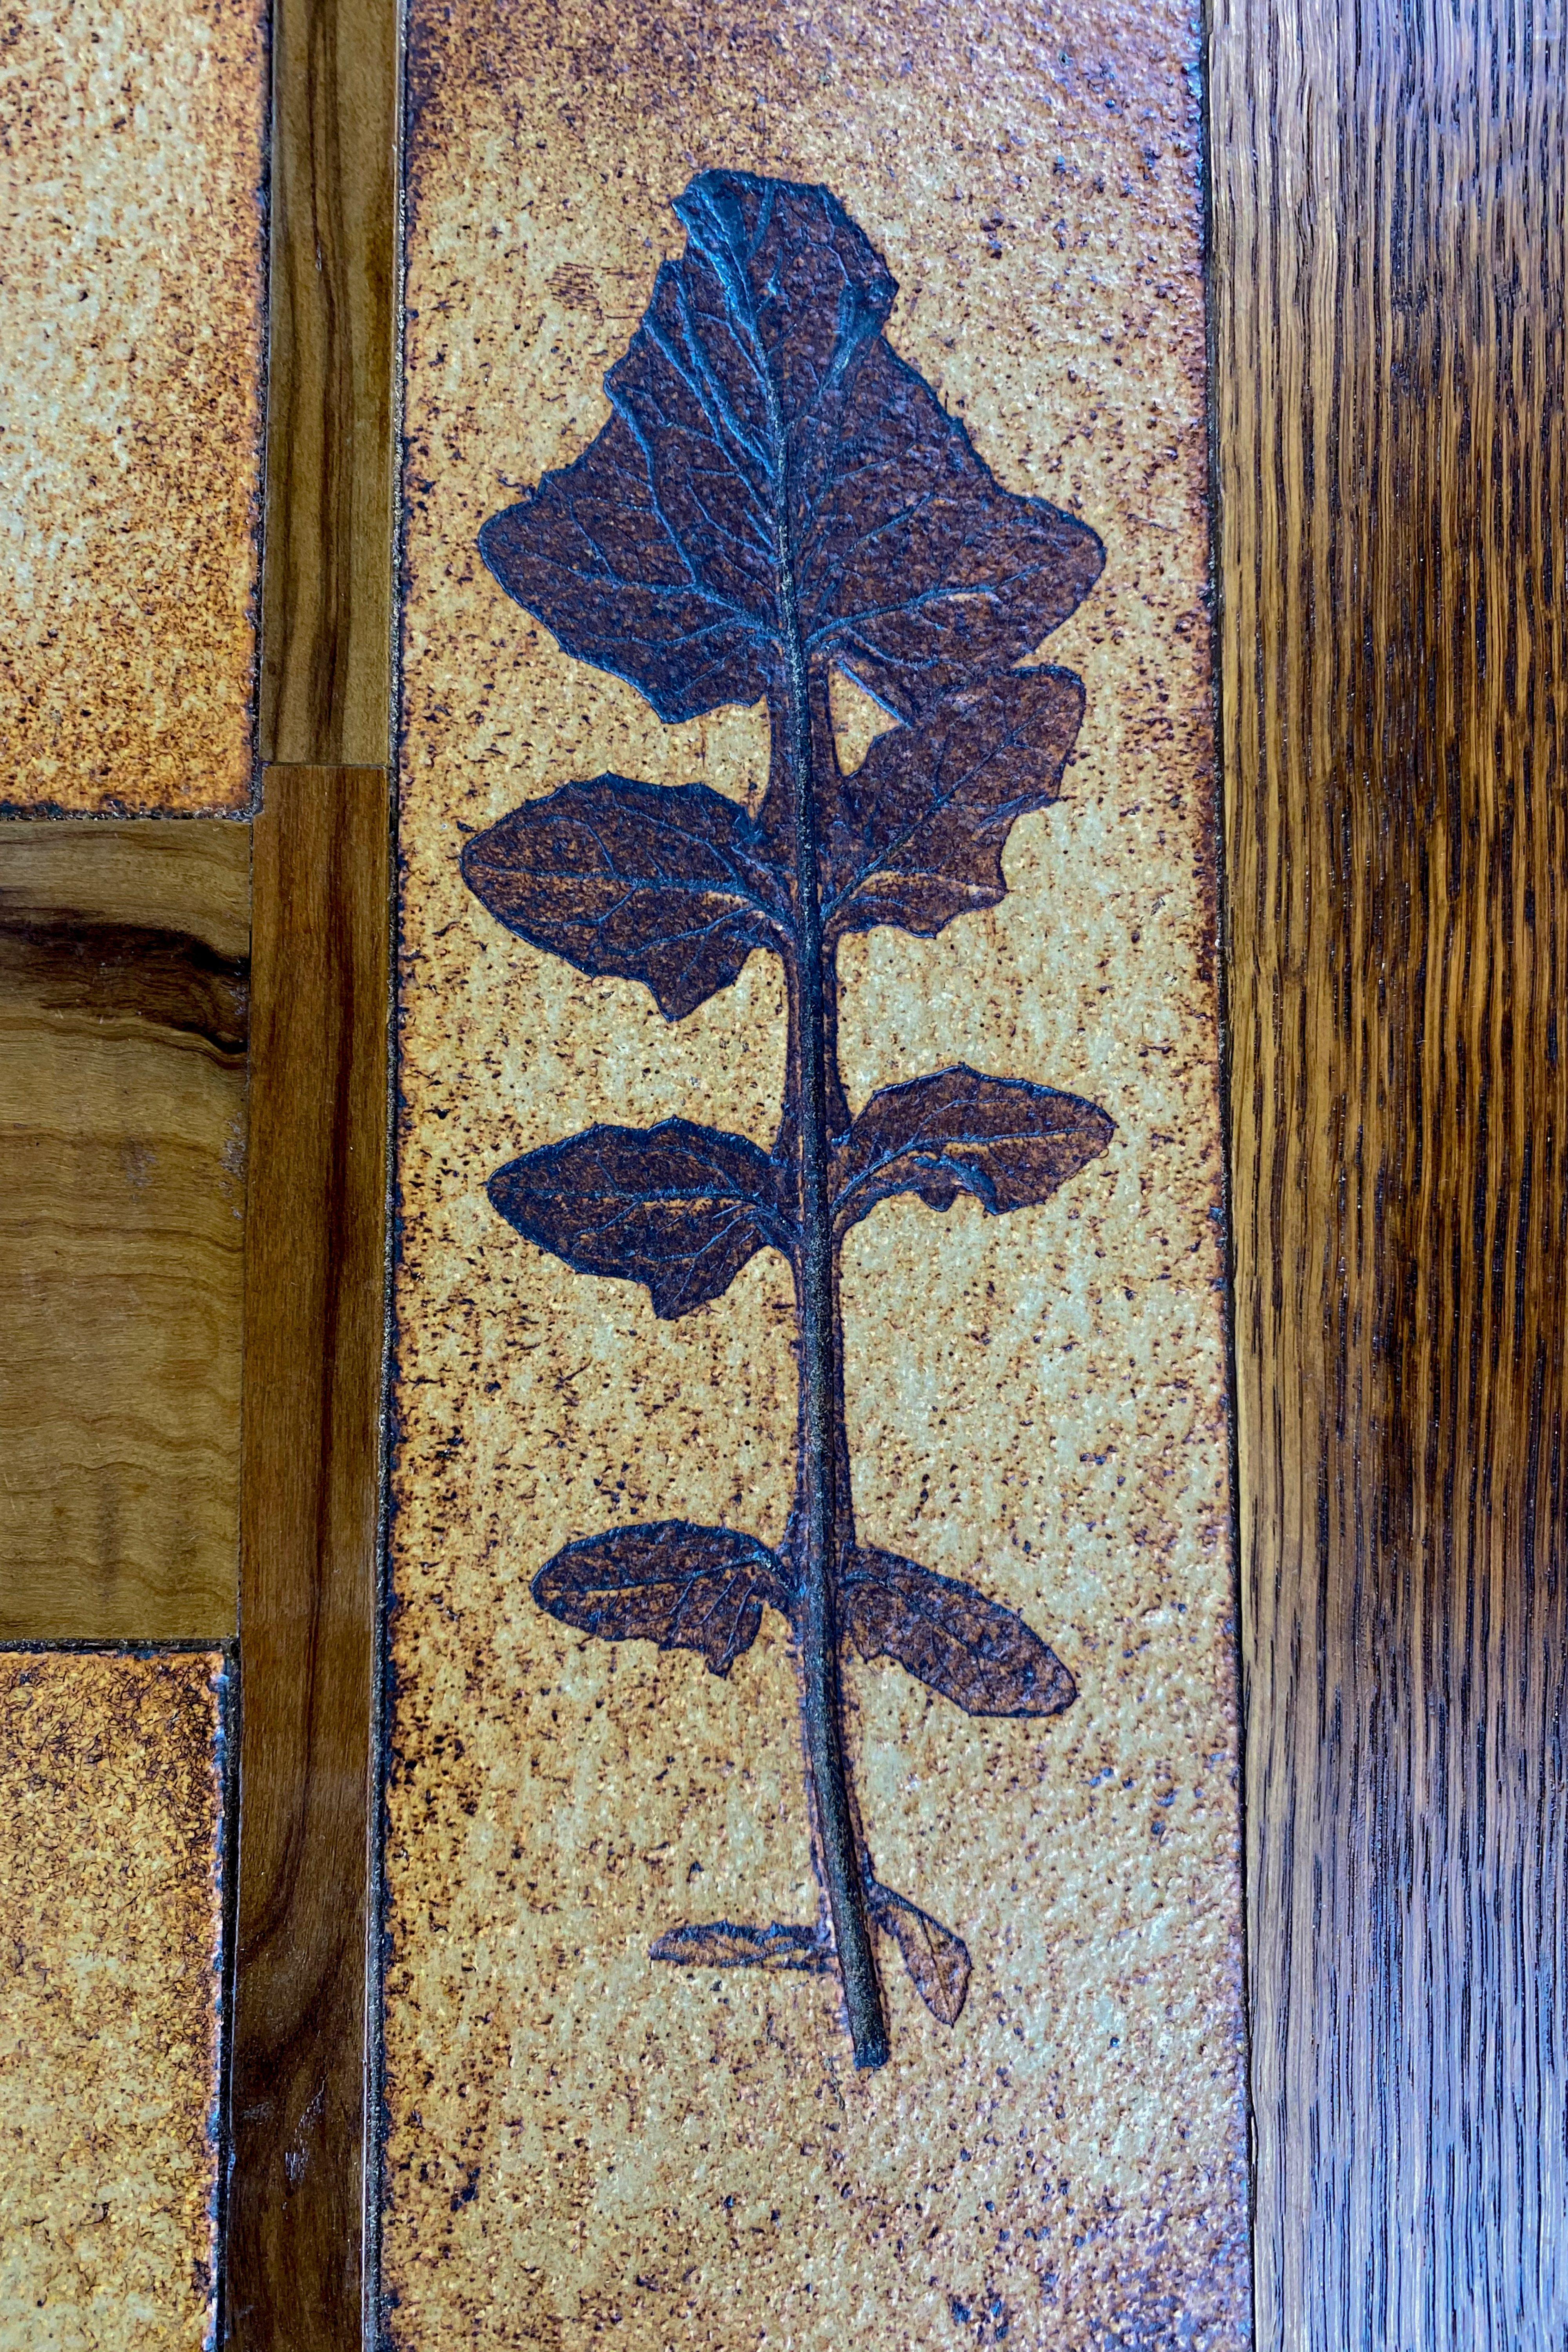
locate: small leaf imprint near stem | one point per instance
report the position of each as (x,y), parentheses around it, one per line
(937,1959)
(778,495)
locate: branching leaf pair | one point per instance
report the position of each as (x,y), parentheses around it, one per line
(676,884)
(682,1208)
(704,1589)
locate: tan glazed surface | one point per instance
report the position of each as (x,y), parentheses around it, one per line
(110,1893)
(132,164)
(583,2145)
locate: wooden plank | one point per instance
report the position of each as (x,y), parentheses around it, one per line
(124,994)
(315,1320)
(326,627)
(1390,193)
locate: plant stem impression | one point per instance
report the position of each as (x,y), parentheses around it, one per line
(777,494)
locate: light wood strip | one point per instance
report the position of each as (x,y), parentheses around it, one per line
(123,1010)
(1390,193)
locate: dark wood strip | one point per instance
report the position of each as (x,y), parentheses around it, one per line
(327,602)
(1390,193)
(124,1007)
(315,1250)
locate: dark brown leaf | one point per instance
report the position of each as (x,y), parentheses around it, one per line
(720,1944)
(977,1653)
(671,886)
(1007,1142)
(771,474)
(685,1587)
(920,828)
(680,1207)
(937,1959)
(589,554)
(923,574)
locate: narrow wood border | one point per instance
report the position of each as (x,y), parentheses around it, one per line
(314,1342)
(299,2234)
(1388,269)
(327,594)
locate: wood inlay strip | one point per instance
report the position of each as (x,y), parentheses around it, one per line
(1390,195)
(327,616)
(314,1330)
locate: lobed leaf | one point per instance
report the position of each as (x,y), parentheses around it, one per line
(684,1587)
(669,885)
(1009,1142)
(771,474)
(937,1959)
(678,1207)
(919,830)
(971,1650)
(720,1944)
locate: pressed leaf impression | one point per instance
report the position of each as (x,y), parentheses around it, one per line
(776,494)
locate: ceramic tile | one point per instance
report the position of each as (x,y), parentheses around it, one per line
(131,150)
(110,1887)
(952,269)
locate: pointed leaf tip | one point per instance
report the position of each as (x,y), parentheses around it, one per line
(951,1638)
(684,1587)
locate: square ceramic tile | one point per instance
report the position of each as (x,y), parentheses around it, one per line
(812,1876)
(110,1888)
(131,165)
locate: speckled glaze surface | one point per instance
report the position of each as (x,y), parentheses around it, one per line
(132,160)
(583,2145)
(111,1892)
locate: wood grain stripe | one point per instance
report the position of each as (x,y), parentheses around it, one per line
(327,603)
(1390,195)
(123,1008)
(314,1325)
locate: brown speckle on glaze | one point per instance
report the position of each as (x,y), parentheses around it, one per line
(132,284)
(110,1891)
(583,2144)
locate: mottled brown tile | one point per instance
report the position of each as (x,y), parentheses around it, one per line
(111,1892)
(585,2144)
(132,284)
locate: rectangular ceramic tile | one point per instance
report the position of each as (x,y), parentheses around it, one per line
(131,149)
(110,1890)
(813,1866)
(124,971)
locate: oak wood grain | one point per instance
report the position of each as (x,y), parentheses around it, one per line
(315,1252)
(327,598)
(123,1012)
(1390,195)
